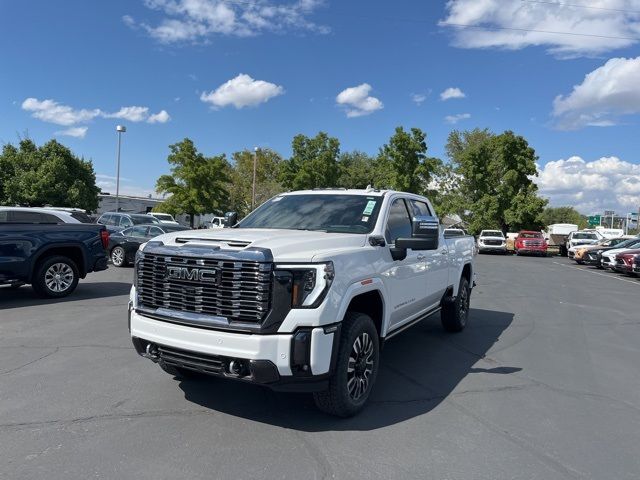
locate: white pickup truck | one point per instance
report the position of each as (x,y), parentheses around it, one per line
(301,294)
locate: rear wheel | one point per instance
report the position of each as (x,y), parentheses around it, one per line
(356,368)
(454,314)
(56,277)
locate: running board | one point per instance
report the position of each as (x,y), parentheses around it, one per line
(410,324)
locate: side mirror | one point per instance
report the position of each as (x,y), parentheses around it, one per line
(230,219)
(425,235)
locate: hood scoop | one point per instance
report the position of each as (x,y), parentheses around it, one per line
(229,243)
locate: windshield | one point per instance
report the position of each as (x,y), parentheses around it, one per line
(530,235)
(585,236)
(163,216)
(491,233)
(320,212)
(143,219)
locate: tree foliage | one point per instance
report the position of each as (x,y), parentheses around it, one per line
(356,170)
(268,164)
(46,175)
(197,184)
(552,215)
(313,164)
(405,161)
(494,179)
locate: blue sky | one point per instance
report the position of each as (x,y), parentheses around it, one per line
(168,69)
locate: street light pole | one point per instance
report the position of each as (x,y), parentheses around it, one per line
(255,161)
(120,129)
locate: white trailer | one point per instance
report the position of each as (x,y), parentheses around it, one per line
(557,234)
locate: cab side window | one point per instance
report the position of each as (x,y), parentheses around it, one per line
(125,222)
(420,208)
(398,222)
(139,232)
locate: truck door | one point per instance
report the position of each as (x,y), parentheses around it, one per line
(436,262)
(405,279)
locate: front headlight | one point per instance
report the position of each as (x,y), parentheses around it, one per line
(310,283)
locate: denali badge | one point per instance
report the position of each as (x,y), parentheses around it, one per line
(193,274)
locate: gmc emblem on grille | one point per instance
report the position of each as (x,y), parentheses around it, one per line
(192,274)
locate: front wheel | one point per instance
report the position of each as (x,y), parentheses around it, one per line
(455,313)
(356,368)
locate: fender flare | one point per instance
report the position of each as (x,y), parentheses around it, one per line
(365,286)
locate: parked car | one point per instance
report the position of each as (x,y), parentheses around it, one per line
(595,257)
(164,218)
(51,257)
(216,222)
(583,237)
(492,241)
(624,261)
(77,213)
(635,266)
(116,221)
(577,253)
(454,232)
(35,215)
(124,244)
(608,260)
(530,242)
(301,293)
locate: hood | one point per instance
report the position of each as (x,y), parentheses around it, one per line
(285,245)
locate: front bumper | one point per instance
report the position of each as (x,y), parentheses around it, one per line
(492,248)
(299,361)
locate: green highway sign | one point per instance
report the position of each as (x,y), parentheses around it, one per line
(594,220)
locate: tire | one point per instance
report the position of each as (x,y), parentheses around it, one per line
(454,314)
(55,277)
(350,386)
(179,372)
(118,256)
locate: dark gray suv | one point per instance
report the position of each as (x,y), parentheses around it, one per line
(116,221)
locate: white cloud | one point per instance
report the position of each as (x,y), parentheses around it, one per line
(242,91)
(132,114)
(53,112)
(591,186)
(357,101)
(607,93)
(161,117)
(518,24)
(418,98)
(452,92)
(198,20)
(78,132)
(453,119)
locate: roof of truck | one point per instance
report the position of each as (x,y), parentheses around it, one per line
(342,191)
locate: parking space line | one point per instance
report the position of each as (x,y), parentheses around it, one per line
(634,282)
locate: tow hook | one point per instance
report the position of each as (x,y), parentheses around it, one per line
(151,352)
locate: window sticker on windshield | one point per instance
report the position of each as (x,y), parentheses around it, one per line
(369,208)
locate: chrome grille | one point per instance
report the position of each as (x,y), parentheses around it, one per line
(493,242)
(241,290)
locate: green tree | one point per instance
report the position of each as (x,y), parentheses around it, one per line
(241,186)
(197,184)
(46,175)
(405,160)
(495,186)
(313,164)
(551,215)
(356,170)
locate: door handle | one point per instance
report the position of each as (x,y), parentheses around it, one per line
(444,251)
(421,257)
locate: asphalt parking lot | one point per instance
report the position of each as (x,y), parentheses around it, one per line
(543,384)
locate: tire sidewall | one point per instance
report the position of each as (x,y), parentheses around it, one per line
(41,286)
(362,323)
(124,258)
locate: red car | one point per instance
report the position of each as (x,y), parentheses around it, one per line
(624,261)
(530,242)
